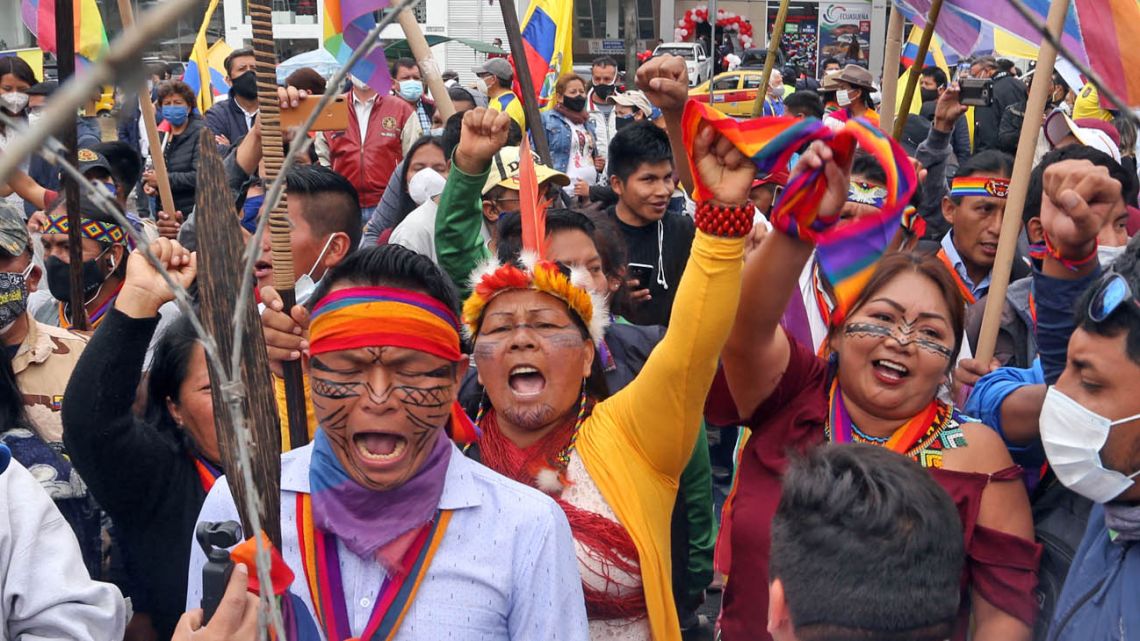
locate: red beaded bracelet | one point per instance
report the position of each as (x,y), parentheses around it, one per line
(728,222)
(1072,265)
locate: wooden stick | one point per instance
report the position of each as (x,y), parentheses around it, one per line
(165,196)
(421,51)
(891,70)
(1019,185)
(916,68)
(770,59)
(526,84)
(219,274)
(273,157)
(65,61)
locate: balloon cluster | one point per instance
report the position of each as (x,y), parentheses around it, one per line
(725,20)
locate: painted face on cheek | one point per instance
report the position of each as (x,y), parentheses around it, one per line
(382,409)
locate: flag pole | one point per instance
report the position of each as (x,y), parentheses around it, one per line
(65,64)
(770,59)
(891,69)
(1019,184)
(421,51)
(147,108)
(916,68)
(526,84)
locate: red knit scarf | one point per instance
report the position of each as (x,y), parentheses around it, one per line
(604,540)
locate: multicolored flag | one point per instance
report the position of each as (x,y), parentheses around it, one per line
(1108,26)
(347,22)
(547,39)
(90,35)
(197,73)
(214,74)
(34,58)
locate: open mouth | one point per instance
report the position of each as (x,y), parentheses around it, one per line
(380,447)
(525,380)
(262,268)
(890,371)
(989,249)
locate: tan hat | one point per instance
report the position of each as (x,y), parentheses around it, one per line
(634,99)
(505,171)
(857,76)
(1059,126)
(830,81)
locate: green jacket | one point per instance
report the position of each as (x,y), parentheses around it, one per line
(459,246)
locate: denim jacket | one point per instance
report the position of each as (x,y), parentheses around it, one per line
(558,137)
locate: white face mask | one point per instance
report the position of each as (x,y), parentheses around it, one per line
(427,183)
(1107,255)
(481,85)
(305,285)
(843,98)
(1072,436)
(14,101)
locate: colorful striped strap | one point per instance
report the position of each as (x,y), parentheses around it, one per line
(840,429)
(384,316)
(967,293)
(988,186)
(96,230)
(321,563)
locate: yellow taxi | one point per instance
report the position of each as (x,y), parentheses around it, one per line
(106,102)
(733,92)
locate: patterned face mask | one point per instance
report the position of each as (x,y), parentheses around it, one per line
(13,297)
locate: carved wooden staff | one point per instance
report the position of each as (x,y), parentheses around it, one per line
(273,156)
(219,276)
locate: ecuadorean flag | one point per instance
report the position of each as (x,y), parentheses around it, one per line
(548,40)
(90,36)
(934,54)
(214,72)
(1111,30)
(347,22)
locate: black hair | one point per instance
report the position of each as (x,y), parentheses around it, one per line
(126,163)
(13,412)
(510,230)
(168,369)
(160,69)
(391,266)
(1006,65)
(1128,180)
(604,61)
(867,546)
(236,53)
(1126,318)
(42,89)
(403,63)
(451,132)
(937,74)
(990,162)
(459,94)
(17,66)
(333,202)
(806,101)
(308,79)
(640,143)
(868,166)
(406,203)
(514,134)
(829,61)
(988,62)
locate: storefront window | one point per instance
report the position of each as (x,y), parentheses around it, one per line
(815,31)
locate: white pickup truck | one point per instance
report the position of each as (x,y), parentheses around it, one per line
(699,64)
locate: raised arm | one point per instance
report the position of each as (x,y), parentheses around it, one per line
(458,244)
(756,354)
(665,82)
(659,413)
(937,155)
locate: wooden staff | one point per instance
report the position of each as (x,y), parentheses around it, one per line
(219,276)
(916,68)
(273,156)
(165,196)
(65,64)
(526,85)
(770,59)
(421,51)
(891,69)
(1019,184)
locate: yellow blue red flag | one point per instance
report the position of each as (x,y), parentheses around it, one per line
(548,42)
(198,68)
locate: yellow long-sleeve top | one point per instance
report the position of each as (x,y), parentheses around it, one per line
(636,443)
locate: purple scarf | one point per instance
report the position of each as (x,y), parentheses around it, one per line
(367,520)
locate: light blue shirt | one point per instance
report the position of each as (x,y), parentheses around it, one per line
(505,570)
(978,290)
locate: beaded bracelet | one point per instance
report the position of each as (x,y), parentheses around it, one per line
(728,222)
(1070,264)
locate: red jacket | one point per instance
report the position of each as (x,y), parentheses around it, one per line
(369,166)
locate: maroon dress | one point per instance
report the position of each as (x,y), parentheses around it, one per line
(1000,566)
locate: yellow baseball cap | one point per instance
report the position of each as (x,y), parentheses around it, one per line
(505,171)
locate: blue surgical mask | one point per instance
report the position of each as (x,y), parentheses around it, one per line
(411,90)
(249,212)
(175,114)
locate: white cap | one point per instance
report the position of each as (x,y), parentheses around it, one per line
(634,99)
(1059,126)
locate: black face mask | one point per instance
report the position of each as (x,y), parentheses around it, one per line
(603,91)
(929,95)
(621,122)
(577,103)
(59,277)
(245,85)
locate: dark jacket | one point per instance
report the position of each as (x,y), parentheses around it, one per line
(1007,91)
(642,247)
(143,476)
(227,119)
(959,135)
(181,156)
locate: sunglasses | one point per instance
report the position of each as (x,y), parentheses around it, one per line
(1112,291)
